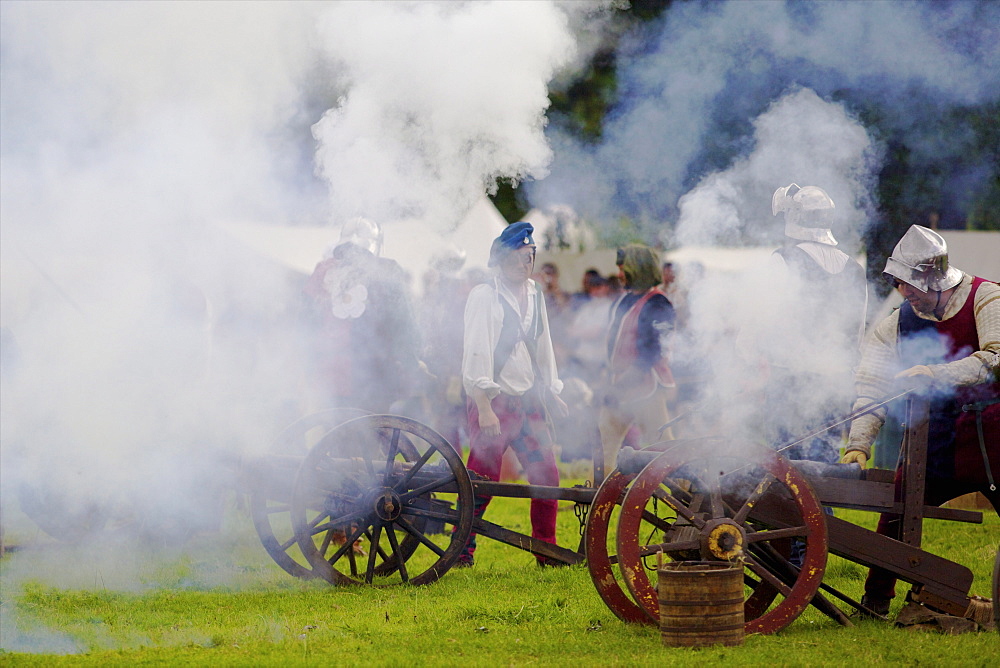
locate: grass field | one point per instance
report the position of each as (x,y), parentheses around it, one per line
(219,600)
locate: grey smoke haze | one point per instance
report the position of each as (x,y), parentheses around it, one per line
(719,104)
(690,86)
(148,349)
(149,342)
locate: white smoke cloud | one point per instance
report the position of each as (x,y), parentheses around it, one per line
(802,139)
(686,96)
(144,349)
(442,100)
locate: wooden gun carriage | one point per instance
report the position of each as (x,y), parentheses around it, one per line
(710,500)
(404,490)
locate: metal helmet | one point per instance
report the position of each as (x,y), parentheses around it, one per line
(921,260)
(808,213)
(362,233)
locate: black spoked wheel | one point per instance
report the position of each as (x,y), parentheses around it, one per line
(270,481)
(382,500)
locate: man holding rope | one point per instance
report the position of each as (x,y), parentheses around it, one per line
(944,341)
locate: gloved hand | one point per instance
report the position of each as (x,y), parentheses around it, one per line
(854,456)
(917,378)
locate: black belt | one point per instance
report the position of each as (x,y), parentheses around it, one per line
(978,407)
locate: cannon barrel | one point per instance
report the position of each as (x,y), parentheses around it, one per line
(632,461)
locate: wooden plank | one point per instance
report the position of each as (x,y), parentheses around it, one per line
(911,564)
(878,475)
(878,497)
(914,469)
(518,491)
(525,542)
(861,494)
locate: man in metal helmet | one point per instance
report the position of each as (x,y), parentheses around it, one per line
(808,213)
(363,341)
(363,233)
(830,293)
(944,340)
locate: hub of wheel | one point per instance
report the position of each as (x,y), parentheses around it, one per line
(722,539)
(387,504)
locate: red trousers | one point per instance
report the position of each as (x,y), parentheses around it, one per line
(524,430)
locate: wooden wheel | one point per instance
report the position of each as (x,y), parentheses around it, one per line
(60,516)
(358,483)
(272,478)
(749,505)
(603,516)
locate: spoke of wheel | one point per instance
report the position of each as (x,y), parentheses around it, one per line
(288,543)
(400,562)
(419,464)
(766,575)
(715,497)
(775,534)
(751,501)
(427,542)
(450,515)
(337,521)
(376,547)
(423,489)
(327,539)
(790,573)
(657,522)
(352,559)
(372,553)
(348,545)
(678,507)
(677,546)
(390,456)
(282,508)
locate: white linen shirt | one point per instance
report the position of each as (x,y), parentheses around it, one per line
(483,322)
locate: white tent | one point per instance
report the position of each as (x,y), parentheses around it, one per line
(412,243)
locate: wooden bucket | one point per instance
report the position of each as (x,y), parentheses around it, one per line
(701,603)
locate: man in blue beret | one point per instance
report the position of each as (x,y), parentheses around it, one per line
(508,370)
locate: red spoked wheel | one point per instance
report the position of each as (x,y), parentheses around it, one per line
(748,504)
(601,520)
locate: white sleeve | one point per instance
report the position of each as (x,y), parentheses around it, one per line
(481,335)
(979,366)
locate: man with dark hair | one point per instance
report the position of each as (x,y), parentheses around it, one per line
(509,370)
(944,341)
(640,382)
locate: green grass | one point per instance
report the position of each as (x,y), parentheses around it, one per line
(219,600)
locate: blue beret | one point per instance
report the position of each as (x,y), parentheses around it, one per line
(513,237)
